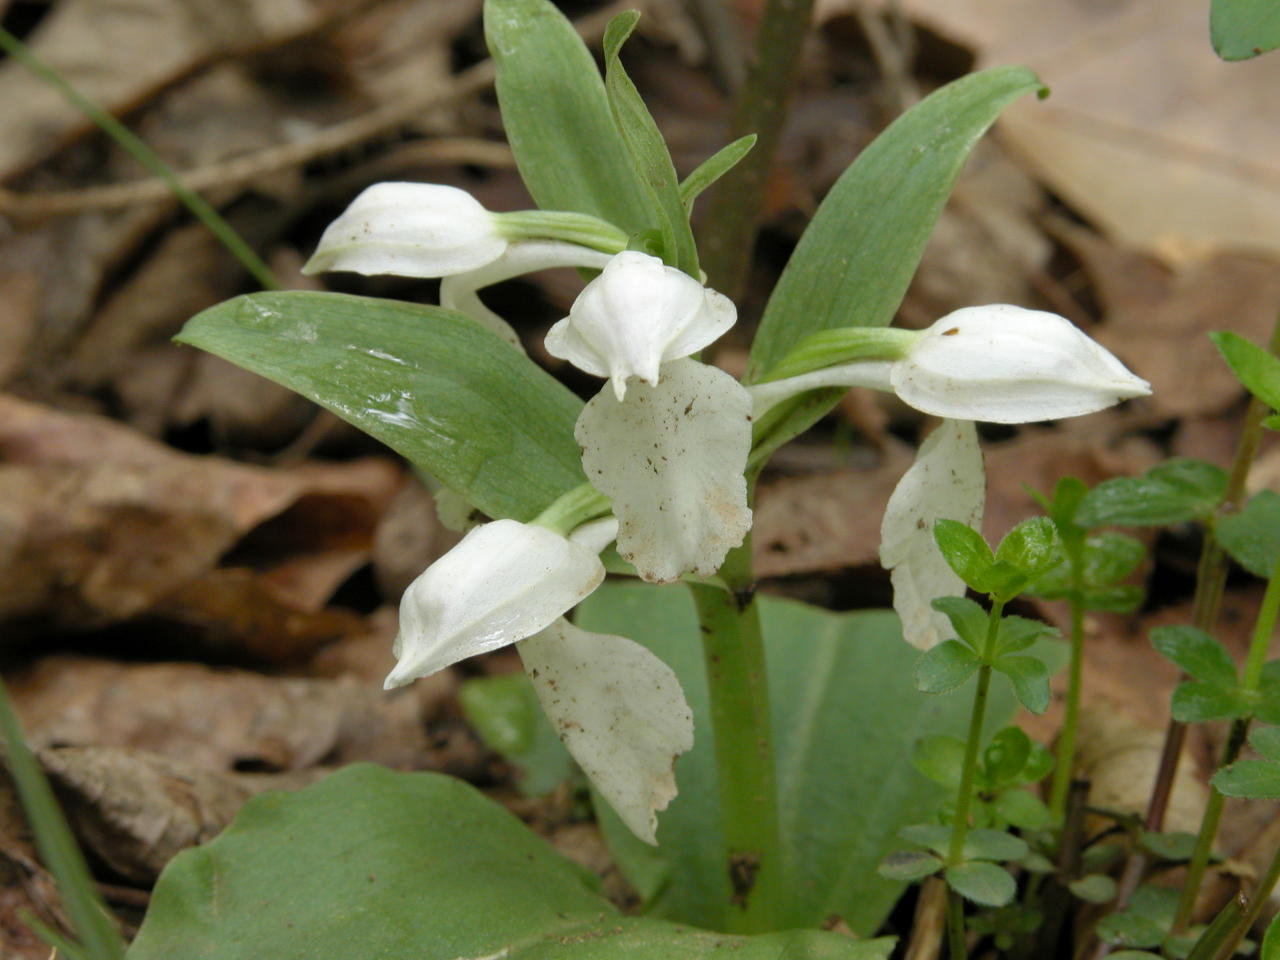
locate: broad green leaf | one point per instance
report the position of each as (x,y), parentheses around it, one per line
(855,260)
(713,168)
(1174,491)
(1022,809)
(1030,679)
(556,116)
(1170,846)
(1006,755)
(1196,702)
(411,866)
(1256,368)
(846,717)
(1250,779)
(945,667)
(932,836)
(1196,653)
(1030,547)
(908,866)
(940,758)
(1018,633)
(1040,761)
(983,883)
(1242,29)
(965,551)
(648,150)
(448,395)
(993,845)
(1252,536)
(504,710)
(1266,740)
(1094,888)
(968,619)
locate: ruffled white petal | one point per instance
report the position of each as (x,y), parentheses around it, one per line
(459,292)
(634,317)
(672,458)
(863,373)
(502,582)
(619,710)
(410,230)
(1005,364)
(945,482)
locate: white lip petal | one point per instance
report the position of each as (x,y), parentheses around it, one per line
(945,482)
(672,459)
(502,582)
(1005,364)
(620,711)
(410,230)
(634,317)
(459,292)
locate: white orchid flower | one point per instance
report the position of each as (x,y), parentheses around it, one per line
(502,582)
(620,711)
(945,482)
(636,316)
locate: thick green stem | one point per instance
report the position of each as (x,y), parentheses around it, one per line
(964,796)
(145,156)
(1066,757)
(733,647)
(958,949)
(760,108)
(1256,658)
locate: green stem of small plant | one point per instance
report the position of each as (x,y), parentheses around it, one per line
(199,207)
(733,649)
(1258,900)
(1066,754)
(957,948)
(1255,660)
(964,796)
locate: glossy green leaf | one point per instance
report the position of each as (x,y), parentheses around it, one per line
(1018,633)
(1094,888)
(1242,29)
(1256,368)
(557,118)
(412,866)
(940,758)
(648,150)
(1174,491)
(1030,679)
(1006,755)
(965,552)
(1197,702)
(945,667)
(846,717)
(983,883)
(448,395)
(504,710)
(713,168)
(1197,653)
(967,618)
(855,260)
(993,845)
(1029,547)
(1252,536)
(908,866)
(1250,779)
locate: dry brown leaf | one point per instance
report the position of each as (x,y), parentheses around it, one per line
(1157,320)
(220,719)
(1147,132)
(136,810)
(409,538)
(119,53)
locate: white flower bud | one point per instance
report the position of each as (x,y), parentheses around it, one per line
(634,317)
(504,581)
(410,230)
(1006,364)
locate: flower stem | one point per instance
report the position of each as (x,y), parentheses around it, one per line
(733,648)
(1254,662)
(147,157)
(964,796)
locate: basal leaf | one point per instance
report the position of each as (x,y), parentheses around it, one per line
(1242,29)
(557,117)
(448,395)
